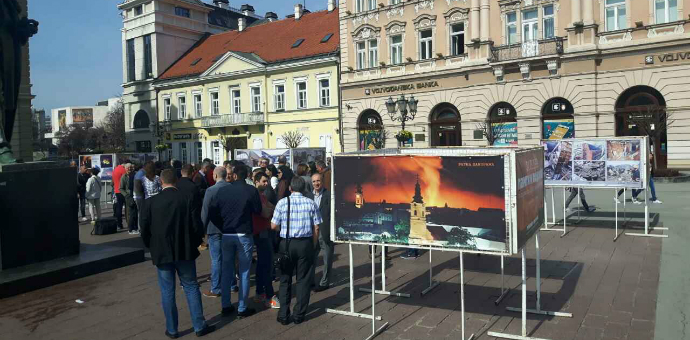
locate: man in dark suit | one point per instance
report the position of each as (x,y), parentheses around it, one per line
(322,198)
(172,232)
(187,187)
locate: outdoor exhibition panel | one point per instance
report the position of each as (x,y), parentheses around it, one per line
(106,163)
(294,156)
(613,162)
(483,200)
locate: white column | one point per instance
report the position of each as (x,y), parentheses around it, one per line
(587,12)
(576,11)
(474,19)
(485,20)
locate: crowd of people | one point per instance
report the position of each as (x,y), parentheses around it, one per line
(236,213)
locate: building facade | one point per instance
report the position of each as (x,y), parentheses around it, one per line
(155,34)
(540,68)
(87,116)
(246,88)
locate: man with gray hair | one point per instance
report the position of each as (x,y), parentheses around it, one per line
(323,169)
(215,235)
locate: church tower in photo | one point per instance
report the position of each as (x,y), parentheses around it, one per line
(359,196)
(418,212)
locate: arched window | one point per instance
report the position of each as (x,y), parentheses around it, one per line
(641,111)
(141,120)
(503,123)
(557,119)
(370,131)
(445,125)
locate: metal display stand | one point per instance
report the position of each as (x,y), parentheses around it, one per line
(646,222)
(432,284)
(524,310)
(383,290)
(462,297)
(374,331)
(504,291)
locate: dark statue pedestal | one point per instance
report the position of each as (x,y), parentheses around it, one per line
(38,213)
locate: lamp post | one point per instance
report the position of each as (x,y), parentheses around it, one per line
(403,110)
(158,130)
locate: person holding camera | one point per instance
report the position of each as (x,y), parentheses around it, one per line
(297,219)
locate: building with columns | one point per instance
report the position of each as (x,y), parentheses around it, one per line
(155,34)
(540,68)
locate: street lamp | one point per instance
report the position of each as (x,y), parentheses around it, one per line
(402,110)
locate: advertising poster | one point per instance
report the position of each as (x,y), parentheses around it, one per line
(371,140)
(306,155)
(83,117)
(62,119)
(449,202)
(559,129)
(85,161)
(506,132)
(252,157)
(106,173)
(96,162)
(530,194)
(595,162)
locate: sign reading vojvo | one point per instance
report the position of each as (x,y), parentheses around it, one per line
(664,58)
(401,87)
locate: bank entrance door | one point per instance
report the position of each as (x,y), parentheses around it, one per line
(445,126)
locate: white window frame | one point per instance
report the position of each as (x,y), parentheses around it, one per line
(278,97)
(667,11)
(214,104)
(324,92)
(429,42)
(361,54)
(397,46)
(395,2)
(509,25)
(298,102)
(373,53)
(531,24)
(216,153)
(616,7)
(199,151)
(255,99)
(181,106)
(452,35)
(236,100)
(359,6)
(167,104)
(551,17)
(371,5)
(184,153)
(198,105)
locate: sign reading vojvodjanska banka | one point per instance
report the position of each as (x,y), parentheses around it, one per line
(400,87)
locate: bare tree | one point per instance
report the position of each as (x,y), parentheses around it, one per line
(492,131)
(231,143)
(293,139)
(114,126)
(652,121)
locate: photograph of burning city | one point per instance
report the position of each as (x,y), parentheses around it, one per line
(449,202)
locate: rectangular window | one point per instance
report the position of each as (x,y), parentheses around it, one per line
(373,53)
(131,64)
(148,57)
(182,107)
(372,5)
(324,92)
(361,55)
(183,152)
(181,11)
(199,152)
(170,151)
(166,108)
(530,25)
(665,11)
(236,103)
(139,10)
(216,153)
(301,95)
(256,98)
(395,2)
(615,15)
(549,30)
(396,49)
(457,39)
(215,106)
(425,44)
(511,28)
(197,105)
(359,5)
(279,100)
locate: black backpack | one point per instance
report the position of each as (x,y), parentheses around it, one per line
(105,226)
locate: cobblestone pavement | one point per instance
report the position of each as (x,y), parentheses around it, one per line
(610,287)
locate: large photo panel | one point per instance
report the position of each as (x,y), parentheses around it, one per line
(530,195)
(449,202)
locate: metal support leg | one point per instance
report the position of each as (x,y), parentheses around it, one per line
(615,202)
(504,291)
(565,214)
(462,296)
(352,296)
(374,331)
(432,283)
(383,290)
(578,206)
(646,221)
(553,214)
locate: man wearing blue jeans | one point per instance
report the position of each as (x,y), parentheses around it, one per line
(232,207)
(171,229)
(214,233)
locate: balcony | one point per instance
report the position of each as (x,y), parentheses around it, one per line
(232,120)
(527,49)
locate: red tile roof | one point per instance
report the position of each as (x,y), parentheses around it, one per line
(271,41)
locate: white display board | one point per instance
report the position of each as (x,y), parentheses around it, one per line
(294,156)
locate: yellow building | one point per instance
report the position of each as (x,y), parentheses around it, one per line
(253,85)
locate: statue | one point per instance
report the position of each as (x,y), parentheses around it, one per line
(14,33)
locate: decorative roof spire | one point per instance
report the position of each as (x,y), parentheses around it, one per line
(359,189)
(417,193)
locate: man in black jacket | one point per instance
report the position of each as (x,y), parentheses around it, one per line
(322,198)
(186,186)
(172,232)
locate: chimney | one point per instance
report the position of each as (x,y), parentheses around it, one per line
(241,24)
(225,4)
(271,16)
(331,5)
(247,10)
(298,11)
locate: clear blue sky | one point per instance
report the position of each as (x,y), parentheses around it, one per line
(76,58)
